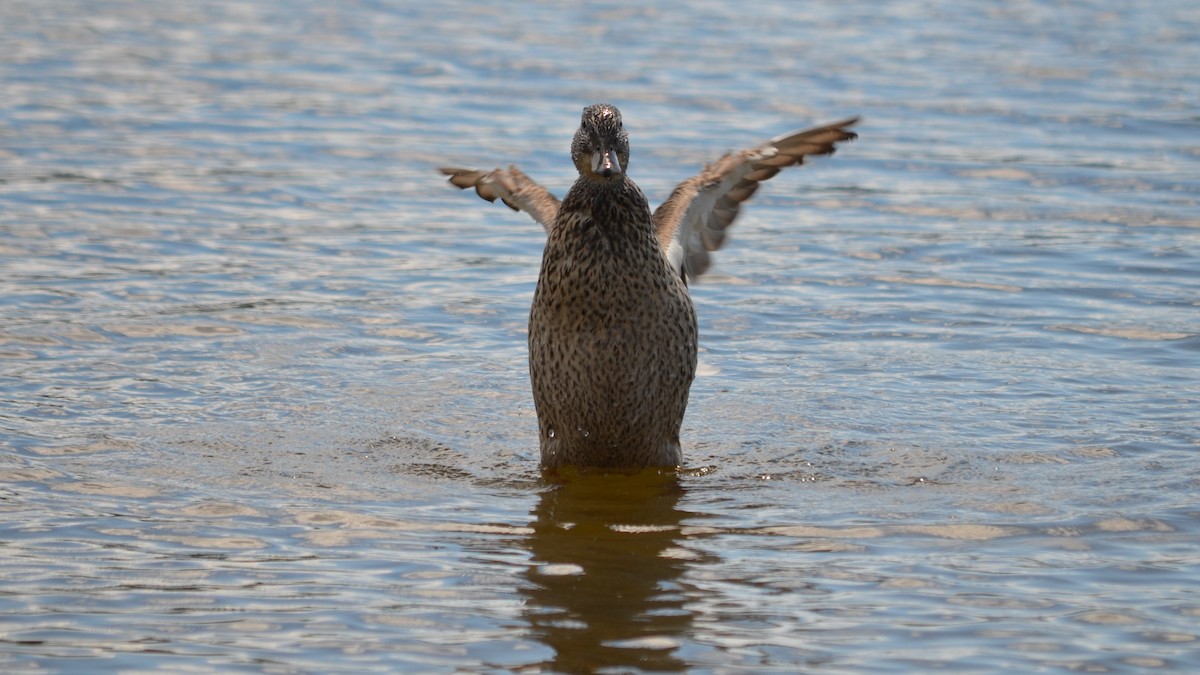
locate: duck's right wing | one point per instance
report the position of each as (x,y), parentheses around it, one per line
(511,186)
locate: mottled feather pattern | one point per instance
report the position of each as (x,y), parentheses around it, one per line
(612,335)
(612,329)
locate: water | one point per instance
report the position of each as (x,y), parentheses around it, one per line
(263,400)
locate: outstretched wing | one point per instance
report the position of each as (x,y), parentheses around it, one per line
(511,186)
(693,220)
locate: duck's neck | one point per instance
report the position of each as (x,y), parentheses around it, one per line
(614,206)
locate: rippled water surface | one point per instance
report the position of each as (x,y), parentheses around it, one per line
(263,394)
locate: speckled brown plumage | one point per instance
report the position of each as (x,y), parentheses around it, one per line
(612,330)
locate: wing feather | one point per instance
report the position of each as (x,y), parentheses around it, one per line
(694,219)
(511,186)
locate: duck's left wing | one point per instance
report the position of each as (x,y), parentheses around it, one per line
(511,186)
(693,220)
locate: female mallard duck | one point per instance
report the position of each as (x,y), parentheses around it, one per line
(612,331)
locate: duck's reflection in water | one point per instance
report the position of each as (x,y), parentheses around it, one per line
(605,588)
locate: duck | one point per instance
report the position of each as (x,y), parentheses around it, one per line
(613,336)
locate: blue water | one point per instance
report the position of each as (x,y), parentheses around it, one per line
(263,393)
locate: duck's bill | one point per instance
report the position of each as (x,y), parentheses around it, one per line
(605,163)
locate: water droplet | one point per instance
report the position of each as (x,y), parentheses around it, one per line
(550,432)
(583,431)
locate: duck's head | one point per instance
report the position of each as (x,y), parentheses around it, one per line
(601,146)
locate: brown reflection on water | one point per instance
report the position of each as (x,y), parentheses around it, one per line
(605,585)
